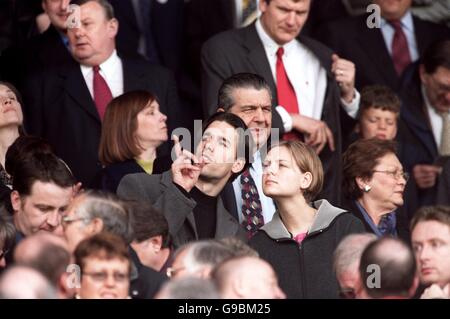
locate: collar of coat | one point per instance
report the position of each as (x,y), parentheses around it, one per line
(326,213)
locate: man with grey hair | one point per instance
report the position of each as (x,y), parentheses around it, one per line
(20,282)
(197,259)
(346,263)
(93,212)
(48,254)
(188,288)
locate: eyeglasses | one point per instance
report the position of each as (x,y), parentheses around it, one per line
(3,253)
(347,293)
(66,220)
(397,174)
(101,277)
(171,271)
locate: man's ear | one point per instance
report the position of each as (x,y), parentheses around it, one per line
(95,226)
(156,243)
(422,73)
(16,201)
(220,109)
(238,165)
(113,27)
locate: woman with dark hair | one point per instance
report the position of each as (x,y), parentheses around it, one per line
(132,130)
(374,182)
(300,240)
(11,119)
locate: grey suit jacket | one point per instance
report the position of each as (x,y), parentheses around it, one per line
(161,192)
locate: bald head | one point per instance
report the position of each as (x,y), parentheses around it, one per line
(247,277)
(346,260)
(388,269)
(47,253)
(25,283)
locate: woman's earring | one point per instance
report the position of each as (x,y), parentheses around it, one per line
(367,188)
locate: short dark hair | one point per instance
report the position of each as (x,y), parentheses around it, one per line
(148,222)
(107,7)
(23,147)
(245,141)
(240,81)
(103,246)
(437,213)
(42,167)
(379,97)
(118,139)
(360,159)
(436,55)
(397,269)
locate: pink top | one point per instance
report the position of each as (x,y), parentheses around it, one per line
(299,238)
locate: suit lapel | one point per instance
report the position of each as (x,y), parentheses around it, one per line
(76,88)
(257,57)
(133,75)
(226,225)
(372,43)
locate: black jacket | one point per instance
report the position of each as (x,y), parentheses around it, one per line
(144,281)
(110,176)
(305,270)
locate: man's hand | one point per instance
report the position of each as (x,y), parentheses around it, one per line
(344,73)
(425,175)
(186,168)
(436,292)
(317,133)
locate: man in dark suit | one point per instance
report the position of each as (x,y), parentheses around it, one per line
(372,49)
(424,112)
(42,52)
(312,73)
(188,194)
(151,28)
(65,105)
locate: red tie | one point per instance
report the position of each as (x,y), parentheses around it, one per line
(285,92)
(400,51)
(102,93)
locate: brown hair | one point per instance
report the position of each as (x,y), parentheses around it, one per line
(307,161)
(438,213)
(118,142)
(379,97)
(360,159)
(104,246)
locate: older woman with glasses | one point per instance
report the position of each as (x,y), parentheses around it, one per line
(105,267)
(374,182)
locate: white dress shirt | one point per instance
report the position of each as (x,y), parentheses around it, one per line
(267,204)
(306,75)
(436,120)
(111,70)
(388,32)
